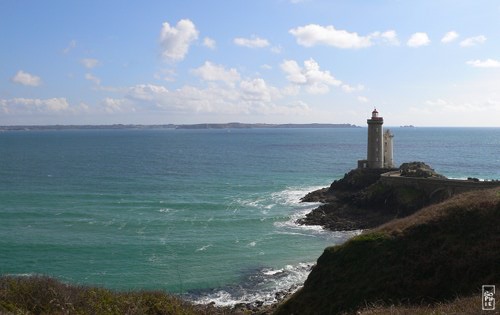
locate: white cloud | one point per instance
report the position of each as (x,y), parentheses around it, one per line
(349,89)
(473,41)
(291,89)
(147,92)
(56,104)
(70,47)
(113,105)
(209,43)
(293,71)
(300,106)
(254,42)
(266,67)
(310,76)
(175,41)
(390,37)
(212,72)
(465,106)
(449,37)
(488,63)
(27,79)
(437,102)
(418,39)
(166,75)
(83,107)
(92,78)
(257,90)
(363,99)
(40,105)
(89,63)
(313,34)
(250,97)
(187,99)
(276,49)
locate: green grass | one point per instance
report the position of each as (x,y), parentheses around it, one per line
(440,252)
(401,200)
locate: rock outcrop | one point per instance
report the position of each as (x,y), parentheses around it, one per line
(442,251)
(360,200)
(418,169)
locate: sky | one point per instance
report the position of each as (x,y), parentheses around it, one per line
(425,63)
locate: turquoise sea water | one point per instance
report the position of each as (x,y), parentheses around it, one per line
(207,213)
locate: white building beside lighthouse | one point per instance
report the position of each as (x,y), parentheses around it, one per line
(380,146)
(388,151)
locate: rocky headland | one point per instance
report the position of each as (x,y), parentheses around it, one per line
(441,253)
(360,200)
(425,249)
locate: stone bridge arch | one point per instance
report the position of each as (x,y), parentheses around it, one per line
(440,194)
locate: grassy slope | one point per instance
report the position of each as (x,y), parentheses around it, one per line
(42,295)
(440,252)
(460,306)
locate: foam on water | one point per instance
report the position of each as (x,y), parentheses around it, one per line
(205,247)
(291,196)
(266,285)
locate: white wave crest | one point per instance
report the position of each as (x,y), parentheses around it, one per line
(291,196)
(267,286)
(288,197)
(203,248)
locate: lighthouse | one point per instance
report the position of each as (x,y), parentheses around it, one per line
(375,154)
(380,148)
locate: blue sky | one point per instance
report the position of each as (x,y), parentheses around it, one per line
(426,63)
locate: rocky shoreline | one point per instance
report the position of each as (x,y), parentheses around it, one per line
(424,260)
(359,201)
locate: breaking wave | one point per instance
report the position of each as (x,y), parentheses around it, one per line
(264,286)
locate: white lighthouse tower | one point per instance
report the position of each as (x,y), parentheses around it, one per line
(388,151)
(380,148)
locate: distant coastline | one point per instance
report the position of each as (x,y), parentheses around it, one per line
(233,125)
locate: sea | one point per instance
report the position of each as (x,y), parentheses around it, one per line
(206,214)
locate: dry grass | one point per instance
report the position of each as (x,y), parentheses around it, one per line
(43,295)
(463,306)
(475,201)
(443,251)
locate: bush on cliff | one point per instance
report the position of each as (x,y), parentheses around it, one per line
(418,169)
(43,295)
(358,179)
(440,252)
(399,201)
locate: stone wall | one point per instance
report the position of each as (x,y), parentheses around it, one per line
(436,187)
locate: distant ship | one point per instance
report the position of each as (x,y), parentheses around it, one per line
(407,126)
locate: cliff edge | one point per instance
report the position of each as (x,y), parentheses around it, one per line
(360,200)
(440,252)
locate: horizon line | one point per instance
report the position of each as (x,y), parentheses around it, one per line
(173,125)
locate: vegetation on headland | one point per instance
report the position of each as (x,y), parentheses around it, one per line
(439,253)
(43,295)
(360,200)
(233,125)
